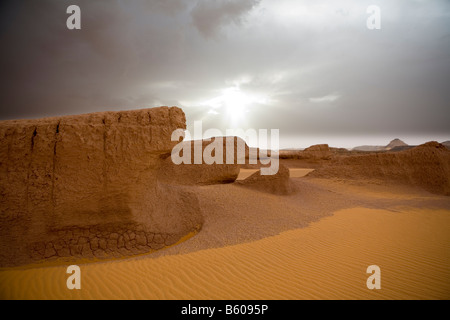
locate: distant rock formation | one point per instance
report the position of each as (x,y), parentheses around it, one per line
(318,151)
(446,143)
(87,186)
(277,184)
(340,151)
(313,153)
(427,166)
(289,153)
(396,144)
(367,148)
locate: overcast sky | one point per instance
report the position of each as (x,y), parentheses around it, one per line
(309,68)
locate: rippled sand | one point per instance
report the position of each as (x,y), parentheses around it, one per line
(326,260)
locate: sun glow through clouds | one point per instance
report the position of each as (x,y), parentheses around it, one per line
(234,105)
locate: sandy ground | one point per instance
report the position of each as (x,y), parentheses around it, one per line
(245,173)
(293,173)
(299,172)
(314,244)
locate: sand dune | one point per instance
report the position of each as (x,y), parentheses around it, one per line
(326,260)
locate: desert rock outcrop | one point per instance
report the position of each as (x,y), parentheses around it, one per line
(319,151)
(204,173)
(314,153)
(278,183)
(394,145)
(426,166)
(86,186)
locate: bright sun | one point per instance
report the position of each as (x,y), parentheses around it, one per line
(234,104)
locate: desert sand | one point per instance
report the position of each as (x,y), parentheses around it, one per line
(327,260)
(100,191)
(293,173)
(246,255)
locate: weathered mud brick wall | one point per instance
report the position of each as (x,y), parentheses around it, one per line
(86,186)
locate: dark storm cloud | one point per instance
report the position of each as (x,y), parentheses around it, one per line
(210,16)
(51,70)
(305,67)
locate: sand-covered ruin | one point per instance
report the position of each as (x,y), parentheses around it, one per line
(87,186)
